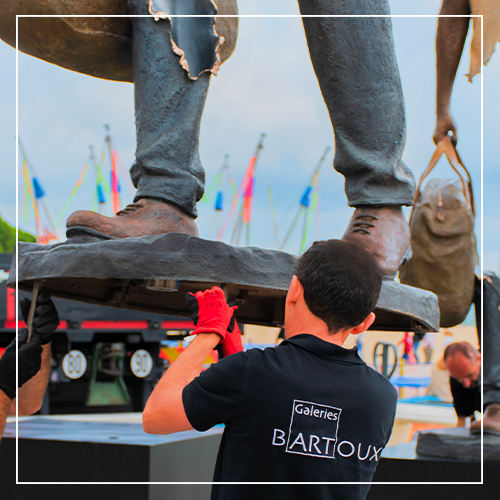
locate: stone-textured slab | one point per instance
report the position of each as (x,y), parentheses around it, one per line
(456,442)
(115,273)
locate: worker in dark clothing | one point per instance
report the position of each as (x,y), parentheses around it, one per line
(464,364)
(307,410)
(33,358)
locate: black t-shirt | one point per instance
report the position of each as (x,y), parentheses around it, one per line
(465,400)
(305,411)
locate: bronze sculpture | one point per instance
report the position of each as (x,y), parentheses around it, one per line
(355,64)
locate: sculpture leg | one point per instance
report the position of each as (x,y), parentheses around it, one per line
(355,64)
(489,287)
(167,171)
(168,109)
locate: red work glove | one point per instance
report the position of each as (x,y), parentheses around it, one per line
(209,311)
(232,341)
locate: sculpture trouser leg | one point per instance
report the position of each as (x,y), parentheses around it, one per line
(168,107)
(355,64)
(167,171)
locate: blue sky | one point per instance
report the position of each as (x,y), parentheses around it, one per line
(267,86)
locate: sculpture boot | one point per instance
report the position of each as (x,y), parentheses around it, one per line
(146,216)
(384,232)
(491,421)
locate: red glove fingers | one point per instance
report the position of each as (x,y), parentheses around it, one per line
(209,311)
(231,343)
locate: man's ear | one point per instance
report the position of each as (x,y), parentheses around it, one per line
(365,325)
(294,292)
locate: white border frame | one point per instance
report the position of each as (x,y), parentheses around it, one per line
(251,16)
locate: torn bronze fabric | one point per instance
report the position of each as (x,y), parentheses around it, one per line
(96,46)
(490,10)
(193,38)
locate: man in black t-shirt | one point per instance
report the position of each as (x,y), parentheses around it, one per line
(305,411)
(464,364)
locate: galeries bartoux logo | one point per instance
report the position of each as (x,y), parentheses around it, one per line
(313,430)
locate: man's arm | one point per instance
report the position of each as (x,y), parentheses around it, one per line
(164,412)
(214,323)
(5,402)
(450,39)
(31,393)
(45,323)
(29,357)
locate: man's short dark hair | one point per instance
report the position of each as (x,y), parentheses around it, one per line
(341,282)
(463,347)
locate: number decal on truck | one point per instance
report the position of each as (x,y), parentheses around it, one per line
(141,363)
(74,364)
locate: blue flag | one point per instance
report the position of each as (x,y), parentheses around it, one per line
(304,201)
(37,188)
(218,201)
(100,194)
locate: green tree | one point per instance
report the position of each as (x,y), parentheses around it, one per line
(8,237)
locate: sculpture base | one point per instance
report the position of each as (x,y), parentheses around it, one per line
(456,442)
(114,452)
(153,273)
(444,479)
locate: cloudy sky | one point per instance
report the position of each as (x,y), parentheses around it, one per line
(267,86)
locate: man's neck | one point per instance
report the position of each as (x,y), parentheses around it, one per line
(330,338)
(303,321)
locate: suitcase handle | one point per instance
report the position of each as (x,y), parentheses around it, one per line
(446,146)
